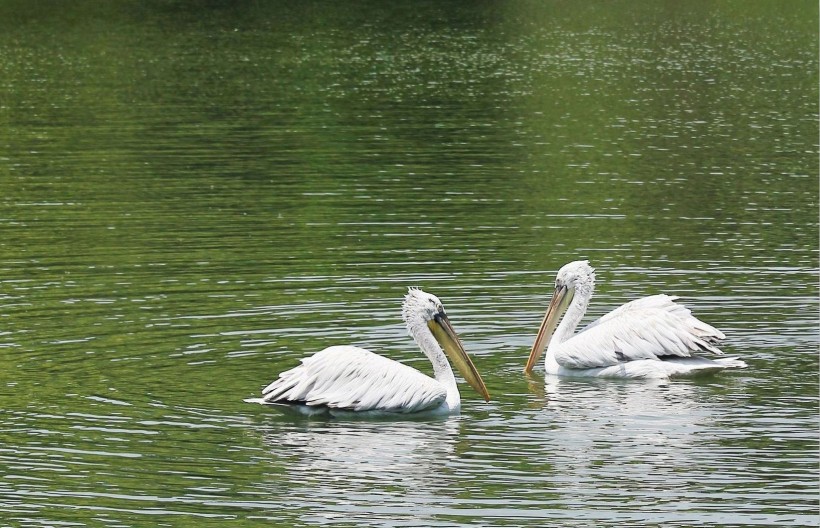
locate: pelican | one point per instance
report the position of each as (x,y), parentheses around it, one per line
(651,337)
(348,379)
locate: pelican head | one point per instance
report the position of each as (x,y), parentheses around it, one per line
(576,276)
(421,309)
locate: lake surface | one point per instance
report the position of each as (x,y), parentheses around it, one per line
(195,195)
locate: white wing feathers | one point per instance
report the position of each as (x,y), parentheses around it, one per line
(352,378)
(647,328)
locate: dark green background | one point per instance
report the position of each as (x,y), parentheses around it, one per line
(193,195)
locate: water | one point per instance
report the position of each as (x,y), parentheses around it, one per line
(195,196)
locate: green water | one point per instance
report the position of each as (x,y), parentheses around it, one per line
(195,195)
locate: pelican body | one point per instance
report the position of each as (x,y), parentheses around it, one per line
(651,337)
(346,379)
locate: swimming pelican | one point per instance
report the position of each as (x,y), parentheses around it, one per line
(651,337)
(348,379)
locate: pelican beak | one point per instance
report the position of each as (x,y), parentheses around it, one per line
(448,339)
(561,298)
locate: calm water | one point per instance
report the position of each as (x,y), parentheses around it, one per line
(194,195)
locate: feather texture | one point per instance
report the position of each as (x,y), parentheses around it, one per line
(653,327)
(355,379)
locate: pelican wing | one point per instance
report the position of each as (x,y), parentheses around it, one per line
(649,328)
(355,379)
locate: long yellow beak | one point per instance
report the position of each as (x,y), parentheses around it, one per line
(448,339)
(561,298)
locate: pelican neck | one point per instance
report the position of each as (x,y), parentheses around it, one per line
(575,312)
(442,371)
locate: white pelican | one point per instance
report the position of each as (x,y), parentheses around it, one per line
(651,337)
(347,379)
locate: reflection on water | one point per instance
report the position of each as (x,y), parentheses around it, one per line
(642,421)
(615,450)
(194,196)
(366,470)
